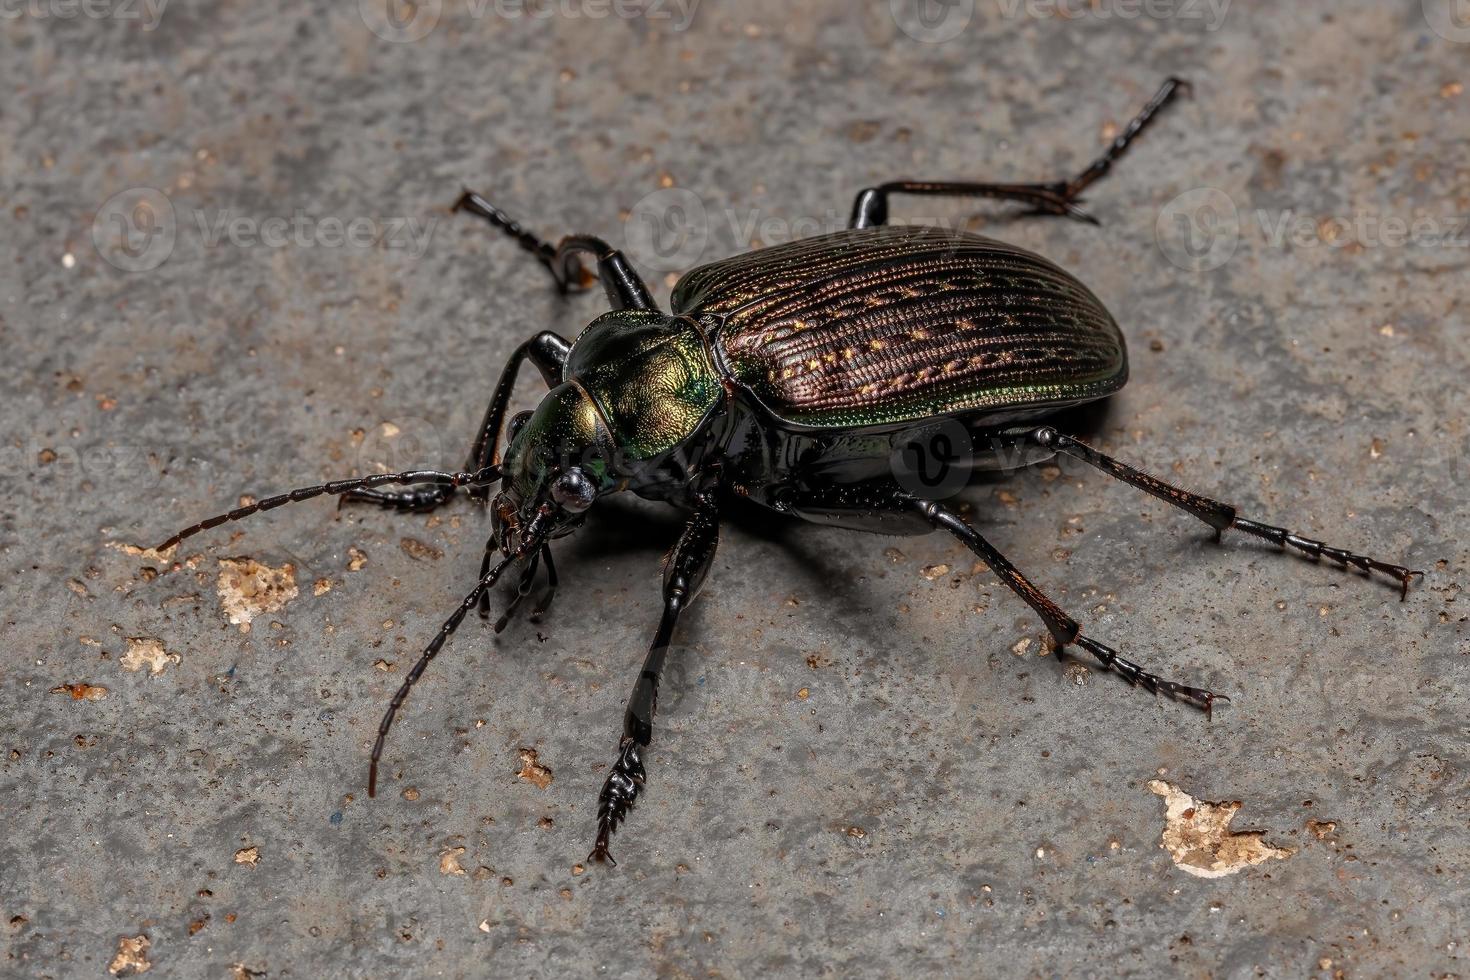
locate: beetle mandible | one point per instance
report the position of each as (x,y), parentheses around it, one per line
(794,376)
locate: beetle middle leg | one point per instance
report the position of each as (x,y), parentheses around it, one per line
(1220,516)
(1052,197)
(684,574)
(874,501)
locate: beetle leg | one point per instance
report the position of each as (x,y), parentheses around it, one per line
(1054,197)
(1220,516)
(482,477)
(1100,167)
(874,500)
(548,352)
(683,575)
(1063,628)
(624,288)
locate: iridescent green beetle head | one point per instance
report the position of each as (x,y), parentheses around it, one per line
(556,465)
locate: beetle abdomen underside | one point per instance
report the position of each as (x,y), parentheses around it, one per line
(891,324)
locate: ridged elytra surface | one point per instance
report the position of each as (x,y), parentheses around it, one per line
(895,324)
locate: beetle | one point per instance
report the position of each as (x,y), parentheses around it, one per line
(811,378)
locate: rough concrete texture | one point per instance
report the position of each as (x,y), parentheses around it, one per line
(867,764)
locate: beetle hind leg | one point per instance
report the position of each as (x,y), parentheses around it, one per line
(876,500)
(1058,197)
(1063,628)
(1221,516)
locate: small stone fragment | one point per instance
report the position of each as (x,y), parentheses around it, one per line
(132,956)
(932,572)
(248,855)
(1198,837)
(532,771)
(81,692)
(449,862)
(247,589)
(146,651)
(418,550)
(147,554)
(356,559)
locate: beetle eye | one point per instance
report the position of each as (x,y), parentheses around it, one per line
(573,490)
(517,423)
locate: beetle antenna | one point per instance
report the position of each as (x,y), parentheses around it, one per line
(531,542)
(463,478)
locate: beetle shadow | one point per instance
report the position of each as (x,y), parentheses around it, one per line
(623,525)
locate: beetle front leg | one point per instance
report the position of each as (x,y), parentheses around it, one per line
(1220,516)
(1054,197)
(548,352)
(624,287)
(687,567)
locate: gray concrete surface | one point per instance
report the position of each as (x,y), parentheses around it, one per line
(865,772)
